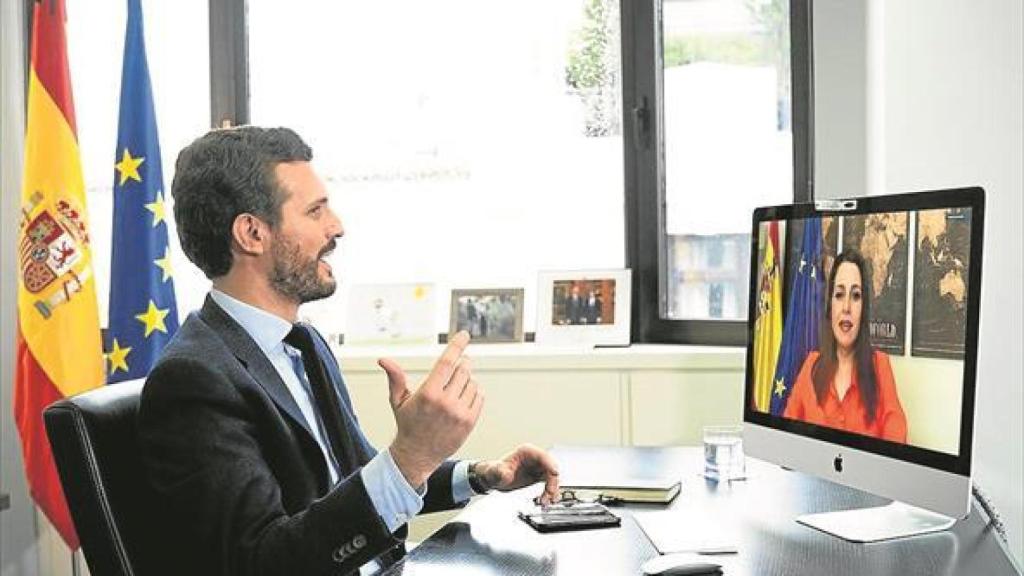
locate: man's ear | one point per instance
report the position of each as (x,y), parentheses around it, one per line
(249,234)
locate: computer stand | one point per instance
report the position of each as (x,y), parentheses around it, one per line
(894,520)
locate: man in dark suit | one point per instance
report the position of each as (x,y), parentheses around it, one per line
(574,306)
(246,427)
(593,308)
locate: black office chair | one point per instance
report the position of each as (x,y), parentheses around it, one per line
(94,441)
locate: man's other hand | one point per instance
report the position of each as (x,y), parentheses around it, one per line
(434,421)
(525,465)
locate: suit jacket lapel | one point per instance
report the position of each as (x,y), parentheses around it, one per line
(256,362)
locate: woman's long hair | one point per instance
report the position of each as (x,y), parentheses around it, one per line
(825,368)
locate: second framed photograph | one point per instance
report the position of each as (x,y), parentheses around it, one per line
(584,307)
(488,314)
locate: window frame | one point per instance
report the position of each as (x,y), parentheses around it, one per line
(229,63)
(644,149)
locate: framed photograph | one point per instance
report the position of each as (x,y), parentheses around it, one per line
(391,314)
(584,307)
(488,314)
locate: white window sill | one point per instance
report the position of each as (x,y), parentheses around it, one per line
(529,356)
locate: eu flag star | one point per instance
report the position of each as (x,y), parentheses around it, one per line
(129,167)
(165,263)
(780,388)
(118,357)
(157,208)
(153,318)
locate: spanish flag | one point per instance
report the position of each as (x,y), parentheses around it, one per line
(768,326)
(59,350)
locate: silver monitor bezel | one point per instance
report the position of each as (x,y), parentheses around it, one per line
(919,476)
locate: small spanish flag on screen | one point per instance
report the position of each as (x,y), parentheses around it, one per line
(768,326)
(59,351)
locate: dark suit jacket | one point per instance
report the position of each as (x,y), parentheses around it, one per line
(244,483)
(574,309)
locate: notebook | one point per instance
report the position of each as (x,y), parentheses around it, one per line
(659,491)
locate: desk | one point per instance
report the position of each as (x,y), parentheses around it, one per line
(487,538)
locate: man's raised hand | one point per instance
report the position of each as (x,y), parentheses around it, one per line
(435,420)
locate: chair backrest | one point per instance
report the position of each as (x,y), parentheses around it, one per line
(94,438)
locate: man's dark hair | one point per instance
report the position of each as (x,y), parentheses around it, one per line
(223,174)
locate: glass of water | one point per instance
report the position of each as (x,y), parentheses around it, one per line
(723,453)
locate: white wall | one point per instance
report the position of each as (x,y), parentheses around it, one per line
(953,117)
(840,107)
(940,99)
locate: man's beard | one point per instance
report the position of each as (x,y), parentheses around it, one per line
(297,277)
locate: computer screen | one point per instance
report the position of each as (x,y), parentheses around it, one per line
(863,329)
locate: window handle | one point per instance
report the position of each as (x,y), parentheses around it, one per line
(641,119)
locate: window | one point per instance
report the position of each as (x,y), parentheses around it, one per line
(464,144)
(95,36)
(719,117)
(471,147)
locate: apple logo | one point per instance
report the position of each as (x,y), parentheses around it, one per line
(838,463)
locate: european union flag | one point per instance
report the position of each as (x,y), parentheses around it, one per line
(803,315)
(143,315)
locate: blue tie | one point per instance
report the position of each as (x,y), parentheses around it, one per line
(300,372)
(328,408)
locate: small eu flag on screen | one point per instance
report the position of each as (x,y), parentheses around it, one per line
(803,315)
(142,315)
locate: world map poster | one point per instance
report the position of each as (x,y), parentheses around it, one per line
(882,240)
(941,261)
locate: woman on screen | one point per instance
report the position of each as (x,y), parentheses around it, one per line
(847,384)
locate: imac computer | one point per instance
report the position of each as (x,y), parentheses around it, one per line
(861,354)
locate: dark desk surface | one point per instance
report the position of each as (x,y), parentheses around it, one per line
(487,538)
